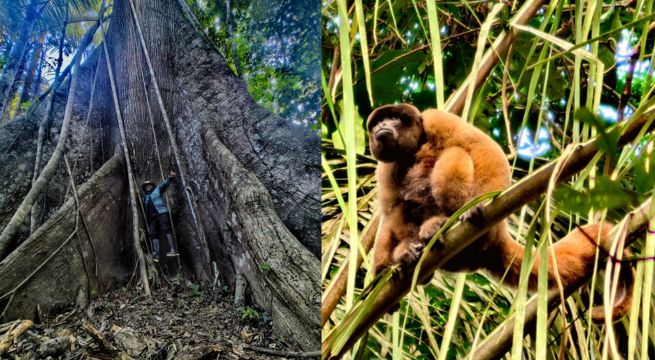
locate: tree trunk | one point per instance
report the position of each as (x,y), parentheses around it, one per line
(16,56)
(230,34)
(30,75)
(36,87)
(252,177)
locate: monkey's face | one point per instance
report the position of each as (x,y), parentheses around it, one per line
(396,132)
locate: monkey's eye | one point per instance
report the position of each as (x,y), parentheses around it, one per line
(405,120)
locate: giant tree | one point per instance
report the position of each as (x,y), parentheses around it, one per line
(245,204)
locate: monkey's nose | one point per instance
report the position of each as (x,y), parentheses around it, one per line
(384,135)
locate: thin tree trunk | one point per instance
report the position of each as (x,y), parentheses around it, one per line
(36,87)
(45,123)
(18,50)
(40,183)
(230,33)
(21,74)
(30,75)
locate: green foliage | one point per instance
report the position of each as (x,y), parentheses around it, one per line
(608,138)
(276,49)
(182,305)
(177,280)
(195,290)
(247,313)
(265,266)
(606,194)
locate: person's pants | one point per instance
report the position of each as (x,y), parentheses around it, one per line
(159,226)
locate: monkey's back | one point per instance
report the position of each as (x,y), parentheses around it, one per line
(492,171)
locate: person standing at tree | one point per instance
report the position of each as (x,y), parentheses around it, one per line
(157,215)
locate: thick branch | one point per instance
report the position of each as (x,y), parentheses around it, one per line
(459,237)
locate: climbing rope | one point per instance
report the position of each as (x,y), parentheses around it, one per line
(169,131)
(161,169)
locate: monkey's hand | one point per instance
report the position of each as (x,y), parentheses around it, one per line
(474,215)
(430,227)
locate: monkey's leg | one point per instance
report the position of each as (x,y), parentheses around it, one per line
(452,179)
(398,241)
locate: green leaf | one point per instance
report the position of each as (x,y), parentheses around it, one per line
(265,266)
(360,133)
(608,142)
(606,194)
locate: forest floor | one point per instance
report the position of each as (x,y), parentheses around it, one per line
(180,321)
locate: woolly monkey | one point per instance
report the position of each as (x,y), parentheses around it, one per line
(432,163)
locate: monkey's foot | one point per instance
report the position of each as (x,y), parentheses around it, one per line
(474,215)
(409,254)
(394,308)
(378,268)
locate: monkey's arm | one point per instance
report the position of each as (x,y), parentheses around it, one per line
(384,243)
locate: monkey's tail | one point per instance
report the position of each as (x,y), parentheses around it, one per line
(575,254)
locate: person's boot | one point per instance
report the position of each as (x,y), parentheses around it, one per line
(171,245)
(155,250)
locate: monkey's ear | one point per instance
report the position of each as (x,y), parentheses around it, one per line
(404,112)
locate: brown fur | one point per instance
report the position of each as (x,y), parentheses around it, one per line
(431,164)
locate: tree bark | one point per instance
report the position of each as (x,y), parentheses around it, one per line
(55,285)
(252,177)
